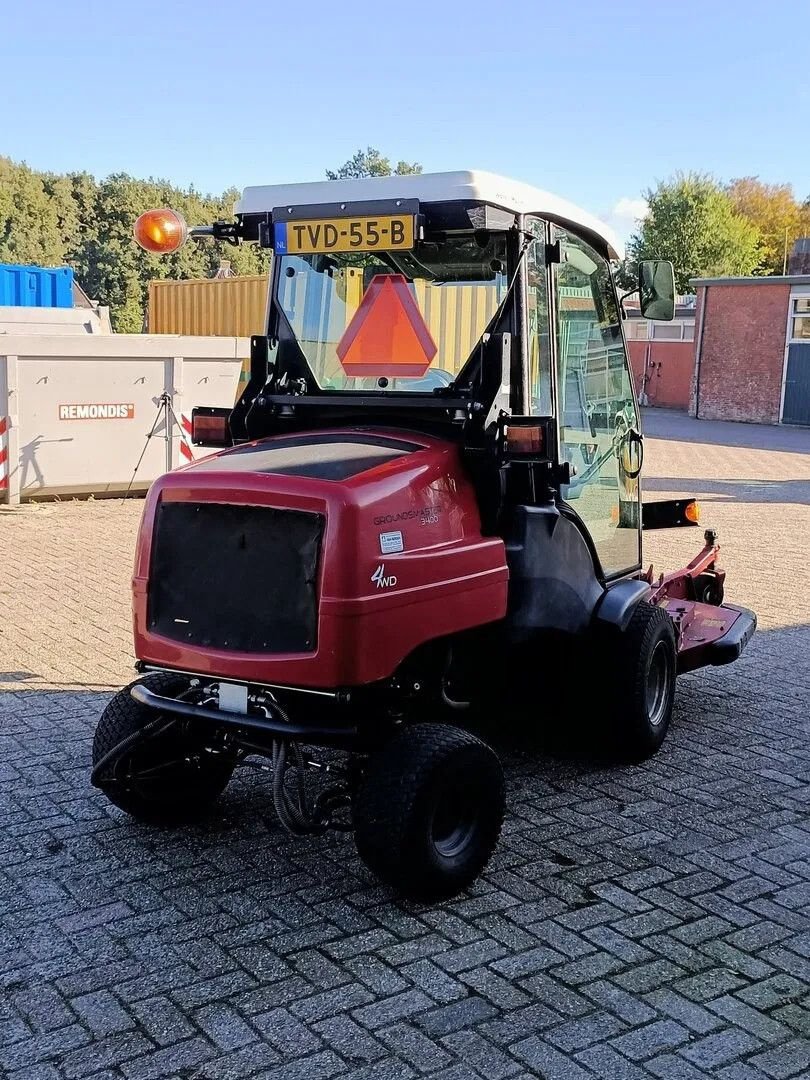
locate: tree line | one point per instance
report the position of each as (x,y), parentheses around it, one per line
(711,229)
(50,219)
(707,228)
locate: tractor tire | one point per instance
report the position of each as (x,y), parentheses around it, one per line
(429,810)
(182,792)
(709,588)
(642,665)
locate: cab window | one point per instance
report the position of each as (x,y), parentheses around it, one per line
(538,350)
(597,410)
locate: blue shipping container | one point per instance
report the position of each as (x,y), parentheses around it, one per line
(36,286)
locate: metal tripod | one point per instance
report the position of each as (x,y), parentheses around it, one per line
(165,411)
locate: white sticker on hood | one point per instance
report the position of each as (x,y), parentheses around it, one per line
(391,542)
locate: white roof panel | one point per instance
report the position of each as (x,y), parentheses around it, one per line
(475,186)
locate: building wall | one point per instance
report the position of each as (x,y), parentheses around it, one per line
(662,371)
(741,352)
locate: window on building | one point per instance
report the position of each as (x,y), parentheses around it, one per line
(667,331)
(800,329)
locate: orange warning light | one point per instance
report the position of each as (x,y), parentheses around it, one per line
(160,231)
(692,512)
(387,334)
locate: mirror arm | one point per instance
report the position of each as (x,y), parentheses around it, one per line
(624,296)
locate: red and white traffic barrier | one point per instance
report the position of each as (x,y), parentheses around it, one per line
(3,456)
(186,450)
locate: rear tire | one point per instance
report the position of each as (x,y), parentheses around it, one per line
(642,666)
(179,793)
(429,811)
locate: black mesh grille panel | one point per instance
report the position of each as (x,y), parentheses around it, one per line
(242,578)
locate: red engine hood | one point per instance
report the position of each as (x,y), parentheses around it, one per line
(402,560)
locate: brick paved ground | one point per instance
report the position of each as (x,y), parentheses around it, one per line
(638,922)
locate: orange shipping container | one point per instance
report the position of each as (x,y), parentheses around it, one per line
(220,307)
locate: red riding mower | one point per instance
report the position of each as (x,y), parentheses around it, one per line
(428,488)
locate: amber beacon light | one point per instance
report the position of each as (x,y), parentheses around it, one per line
(160,231)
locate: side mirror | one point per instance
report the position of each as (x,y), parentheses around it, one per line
(656,283)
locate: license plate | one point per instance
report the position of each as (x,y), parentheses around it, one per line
(386,232)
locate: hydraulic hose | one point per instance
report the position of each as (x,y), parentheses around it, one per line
(152,728)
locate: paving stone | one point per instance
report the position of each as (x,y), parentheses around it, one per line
(416,1048)
(111,1050)
(651,1039)
(686,1012)
(741,1071)
(225,1028)
(606,1062)
(790,1059)
(102,1013)
(577,1034)
(478,1053)
(548,1062)
(321,1066)
(161,1020)
(459,1014)
(674,1067)
(751,1020)
(350,1040)
(663,903)
(628,1007)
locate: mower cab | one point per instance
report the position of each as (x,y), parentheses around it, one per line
(427,490)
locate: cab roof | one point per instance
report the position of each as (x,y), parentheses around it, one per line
(469,186)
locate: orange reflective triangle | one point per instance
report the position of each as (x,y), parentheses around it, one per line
(387,334)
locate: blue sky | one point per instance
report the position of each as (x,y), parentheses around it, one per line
(590,99)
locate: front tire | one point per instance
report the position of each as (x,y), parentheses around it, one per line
(429,811)
(642,666)
(169,778)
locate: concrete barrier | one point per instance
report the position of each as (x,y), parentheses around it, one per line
(75,412)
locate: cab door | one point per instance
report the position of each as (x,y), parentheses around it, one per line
(598,415)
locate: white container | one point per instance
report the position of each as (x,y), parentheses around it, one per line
(78,409)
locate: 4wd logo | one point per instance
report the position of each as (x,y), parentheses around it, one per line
(381,580)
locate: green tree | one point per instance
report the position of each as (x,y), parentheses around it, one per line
(370,162)
(30,228)
(692,221)
(49,219)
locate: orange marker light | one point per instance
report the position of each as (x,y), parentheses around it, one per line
(160,231)
(692,512)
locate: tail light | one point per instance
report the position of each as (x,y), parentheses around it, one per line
(211,427)
(525,437)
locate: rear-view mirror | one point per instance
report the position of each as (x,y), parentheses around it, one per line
(656,283)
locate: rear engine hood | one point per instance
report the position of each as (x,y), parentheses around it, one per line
(319,559)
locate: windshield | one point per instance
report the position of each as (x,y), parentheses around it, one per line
(395,320)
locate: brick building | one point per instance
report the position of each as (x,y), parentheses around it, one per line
(752,350)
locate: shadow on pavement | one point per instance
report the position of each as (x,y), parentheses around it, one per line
(750,491)
(677,426)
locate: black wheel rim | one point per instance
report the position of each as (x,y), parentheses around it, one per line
(454,822)
(658,684)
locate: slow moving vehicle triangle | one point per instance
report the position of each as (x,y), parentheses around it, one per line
(387,334)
